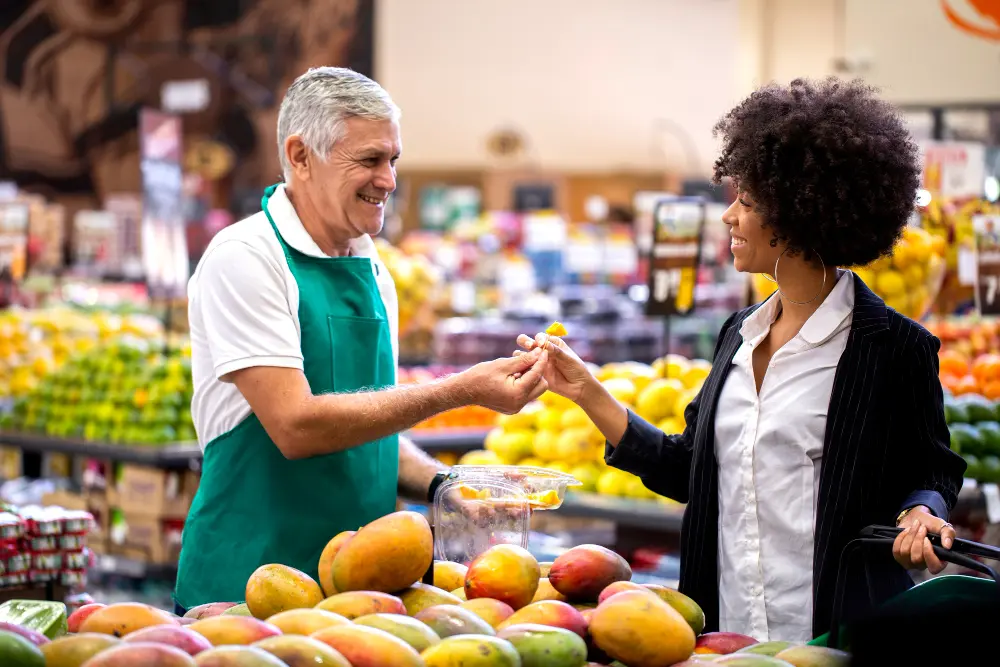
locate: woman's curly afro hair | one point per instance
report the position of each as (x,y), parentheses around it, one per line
(831,167)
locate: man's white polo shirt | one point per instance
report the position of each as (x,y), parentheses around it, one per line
(243,306)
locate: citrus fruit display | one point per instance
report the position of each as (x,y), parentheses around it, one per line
(555,433)
(908,280)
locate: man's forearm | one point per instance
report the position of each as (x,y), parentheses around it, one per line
(334,422)
(416,470)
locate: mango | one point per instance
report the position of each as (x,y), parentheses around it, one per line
(419,596)
(326,559)
(766,648)
(449,575)
(687,607)
(505,572)
(641,630)
(275,588)
(814,656)
(146,654)
(74,650)
(492,611)
(352,604)
(77,618)
(185,639)
(723,643)
(207,610)
(305,621)
(369,647)
(236,630)
(124,618)
(239,610)
(410,630)
(549,612)
(584,571)
(472,651)
(297,651)
(237,656)
(545,591)
(618,587)
(447,620)
(545,646)
(460,593)
(746,660)
(388,555)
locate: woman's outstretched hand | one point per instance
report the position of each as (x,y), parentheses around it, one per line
(565,373)
(912,549)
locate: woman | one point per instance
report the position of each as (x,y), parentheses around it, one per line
(823,412)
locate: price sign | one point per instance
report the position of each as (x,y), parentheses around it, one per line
(987,229)
(674,255)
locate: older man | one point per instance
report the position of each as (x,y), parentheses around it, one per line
(294,354)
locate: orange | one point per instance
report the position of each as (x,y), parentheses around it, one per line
(986,367)
(953,362)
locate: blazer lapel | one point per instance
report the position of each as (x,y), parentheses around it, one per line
(855,381)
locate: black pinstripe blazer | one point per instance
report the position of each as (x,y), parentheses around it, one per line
(886,448)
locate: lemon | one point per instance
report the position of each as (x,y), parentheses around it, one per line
(914,275)
(553,400)
(479,457)
(622,389)
(890,283)
(867,276)
(587,474)
(696,373)
(658,400)
(612,482)
(574,417)
(671,425)
(573,446)
(545,445)
(548,419)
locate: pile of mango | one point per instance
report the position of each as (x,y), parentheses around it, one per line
(557,434)
(908,280)
(370,609)
(123,391)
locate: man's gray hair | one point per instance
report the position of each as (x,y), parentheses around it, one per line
(319,102)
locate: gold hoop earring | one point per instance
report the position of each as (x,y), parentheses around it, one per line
(790,300)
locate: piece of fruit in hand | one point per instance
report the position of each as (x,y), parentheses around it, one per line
(556,329)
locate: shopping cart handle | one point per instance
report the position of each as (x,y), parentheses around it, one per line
(966,547)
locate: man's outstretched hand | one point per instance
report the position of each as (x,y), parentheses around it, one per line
(507,385)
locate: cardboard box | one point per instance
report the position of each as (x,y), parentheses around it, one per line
(146,538)
(151,492)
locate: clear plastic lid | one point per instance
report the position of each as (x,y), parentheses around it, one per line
(544,489)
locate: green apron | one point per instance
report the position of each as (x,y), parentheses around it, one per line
(254,506)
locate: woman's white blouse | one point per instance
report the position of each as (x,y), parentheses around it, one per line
(769,449)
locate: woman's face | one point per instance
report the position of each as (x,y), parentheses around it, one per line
(751,243)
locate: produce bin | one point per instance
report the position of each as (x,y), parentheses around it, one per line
(950,590)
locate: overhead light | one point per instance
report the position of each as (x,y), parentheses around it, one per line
(992,188)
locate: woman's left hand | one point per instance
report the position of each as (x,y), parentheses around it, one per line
(912,549)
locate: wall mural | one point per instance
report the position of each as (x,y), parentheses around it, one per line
(73,74)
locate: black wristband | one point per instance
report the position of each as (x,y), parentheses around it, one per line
(435,483)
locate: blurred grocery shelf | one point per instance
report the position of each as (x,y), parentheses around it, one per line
(627,512)
(182,454)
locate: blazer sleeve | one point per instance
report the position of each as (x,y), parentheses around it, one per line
(939,470)
(662,461)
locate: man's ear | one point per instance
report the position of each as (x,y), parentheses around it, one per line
(298,156)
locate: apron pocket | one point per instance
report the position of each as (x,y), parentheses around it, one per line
(355,349)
